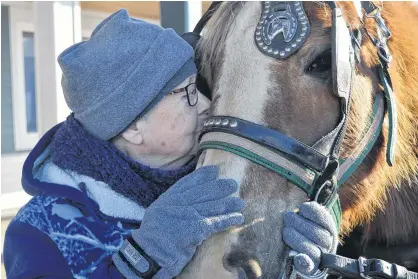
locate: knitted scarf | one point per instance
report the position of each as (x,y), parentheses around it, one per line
(73,148)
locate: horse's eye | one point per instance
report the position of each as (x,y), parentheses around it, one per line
(321,66)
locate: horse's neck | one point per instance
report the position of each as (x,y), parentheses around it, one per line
(393,234)
(398,223)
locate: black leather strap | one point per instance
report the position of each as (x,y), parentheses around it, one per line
(275,140)
(369,7)
(202,22)
(342,69)
(192,38)
(364,268)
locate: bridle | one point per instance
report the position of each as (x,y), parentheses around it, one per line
(313,171)
(316,169)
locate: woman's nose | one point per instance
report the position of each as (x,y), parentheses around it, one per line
(203,104)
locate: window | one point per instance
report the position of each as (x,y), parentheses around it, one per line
(30,89)
(23,81)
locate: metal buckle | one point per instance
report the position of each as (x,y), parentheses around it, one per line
(329,196)
(377,15)
(383,52)
(361,265)
(376,268)
(330,182)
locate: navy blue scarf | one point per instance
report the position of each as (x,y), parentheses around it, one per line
(73,148)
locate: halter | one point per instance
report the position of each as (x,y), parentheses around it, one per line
(317,170)
(282,29)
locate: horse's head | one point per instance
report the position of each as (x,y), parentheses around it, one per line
(295,96)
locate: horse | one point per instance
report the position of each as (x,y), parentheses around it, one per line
(295,96)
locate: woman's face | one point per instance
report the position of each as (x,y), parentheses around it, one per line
(173,125)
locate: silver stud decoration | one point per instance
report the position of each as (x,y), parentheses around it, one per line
(272,14)
(224,122)
(233,124)
(220,122)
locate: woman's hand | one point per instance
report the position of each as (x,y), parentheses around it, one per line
(196,207)
(310,232)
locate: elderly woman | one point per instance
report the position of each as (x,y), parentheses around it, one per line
(114,192)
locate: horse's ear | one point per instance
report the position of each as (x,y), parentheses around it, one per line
(288,10)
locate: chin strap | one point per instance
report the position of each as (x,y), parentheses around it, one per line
(360,268)
(363,268)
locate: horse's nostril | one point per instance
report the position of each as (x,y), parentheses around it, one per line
(247,265)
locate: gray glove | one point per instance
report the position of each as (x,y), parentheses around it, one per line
(310,232)
(196,207)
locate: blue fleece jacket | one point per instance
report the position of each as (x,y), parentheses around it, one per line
(72,225)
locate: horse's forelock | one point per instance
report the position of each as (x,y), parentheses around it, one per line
(210,47)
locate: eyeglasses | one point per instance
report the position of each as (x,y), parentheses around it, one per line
(191,92)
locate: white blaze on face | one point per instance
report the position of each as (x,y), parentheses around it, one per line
(243,86)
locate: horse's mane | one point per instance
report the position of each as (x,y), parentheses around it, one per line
(376,178)
(369,189)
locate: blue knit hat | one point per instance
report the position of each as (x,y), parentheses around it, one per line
(121,72)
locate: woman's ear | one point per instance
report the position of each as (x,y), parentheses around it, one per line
(134,133)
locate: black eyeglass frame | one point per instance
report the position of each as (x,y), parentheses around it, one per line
(187,89)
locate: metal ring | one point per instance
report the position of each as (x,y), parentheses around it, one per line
(361,264)
(326,183)
(383,52)
(377,15)
(320,275)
